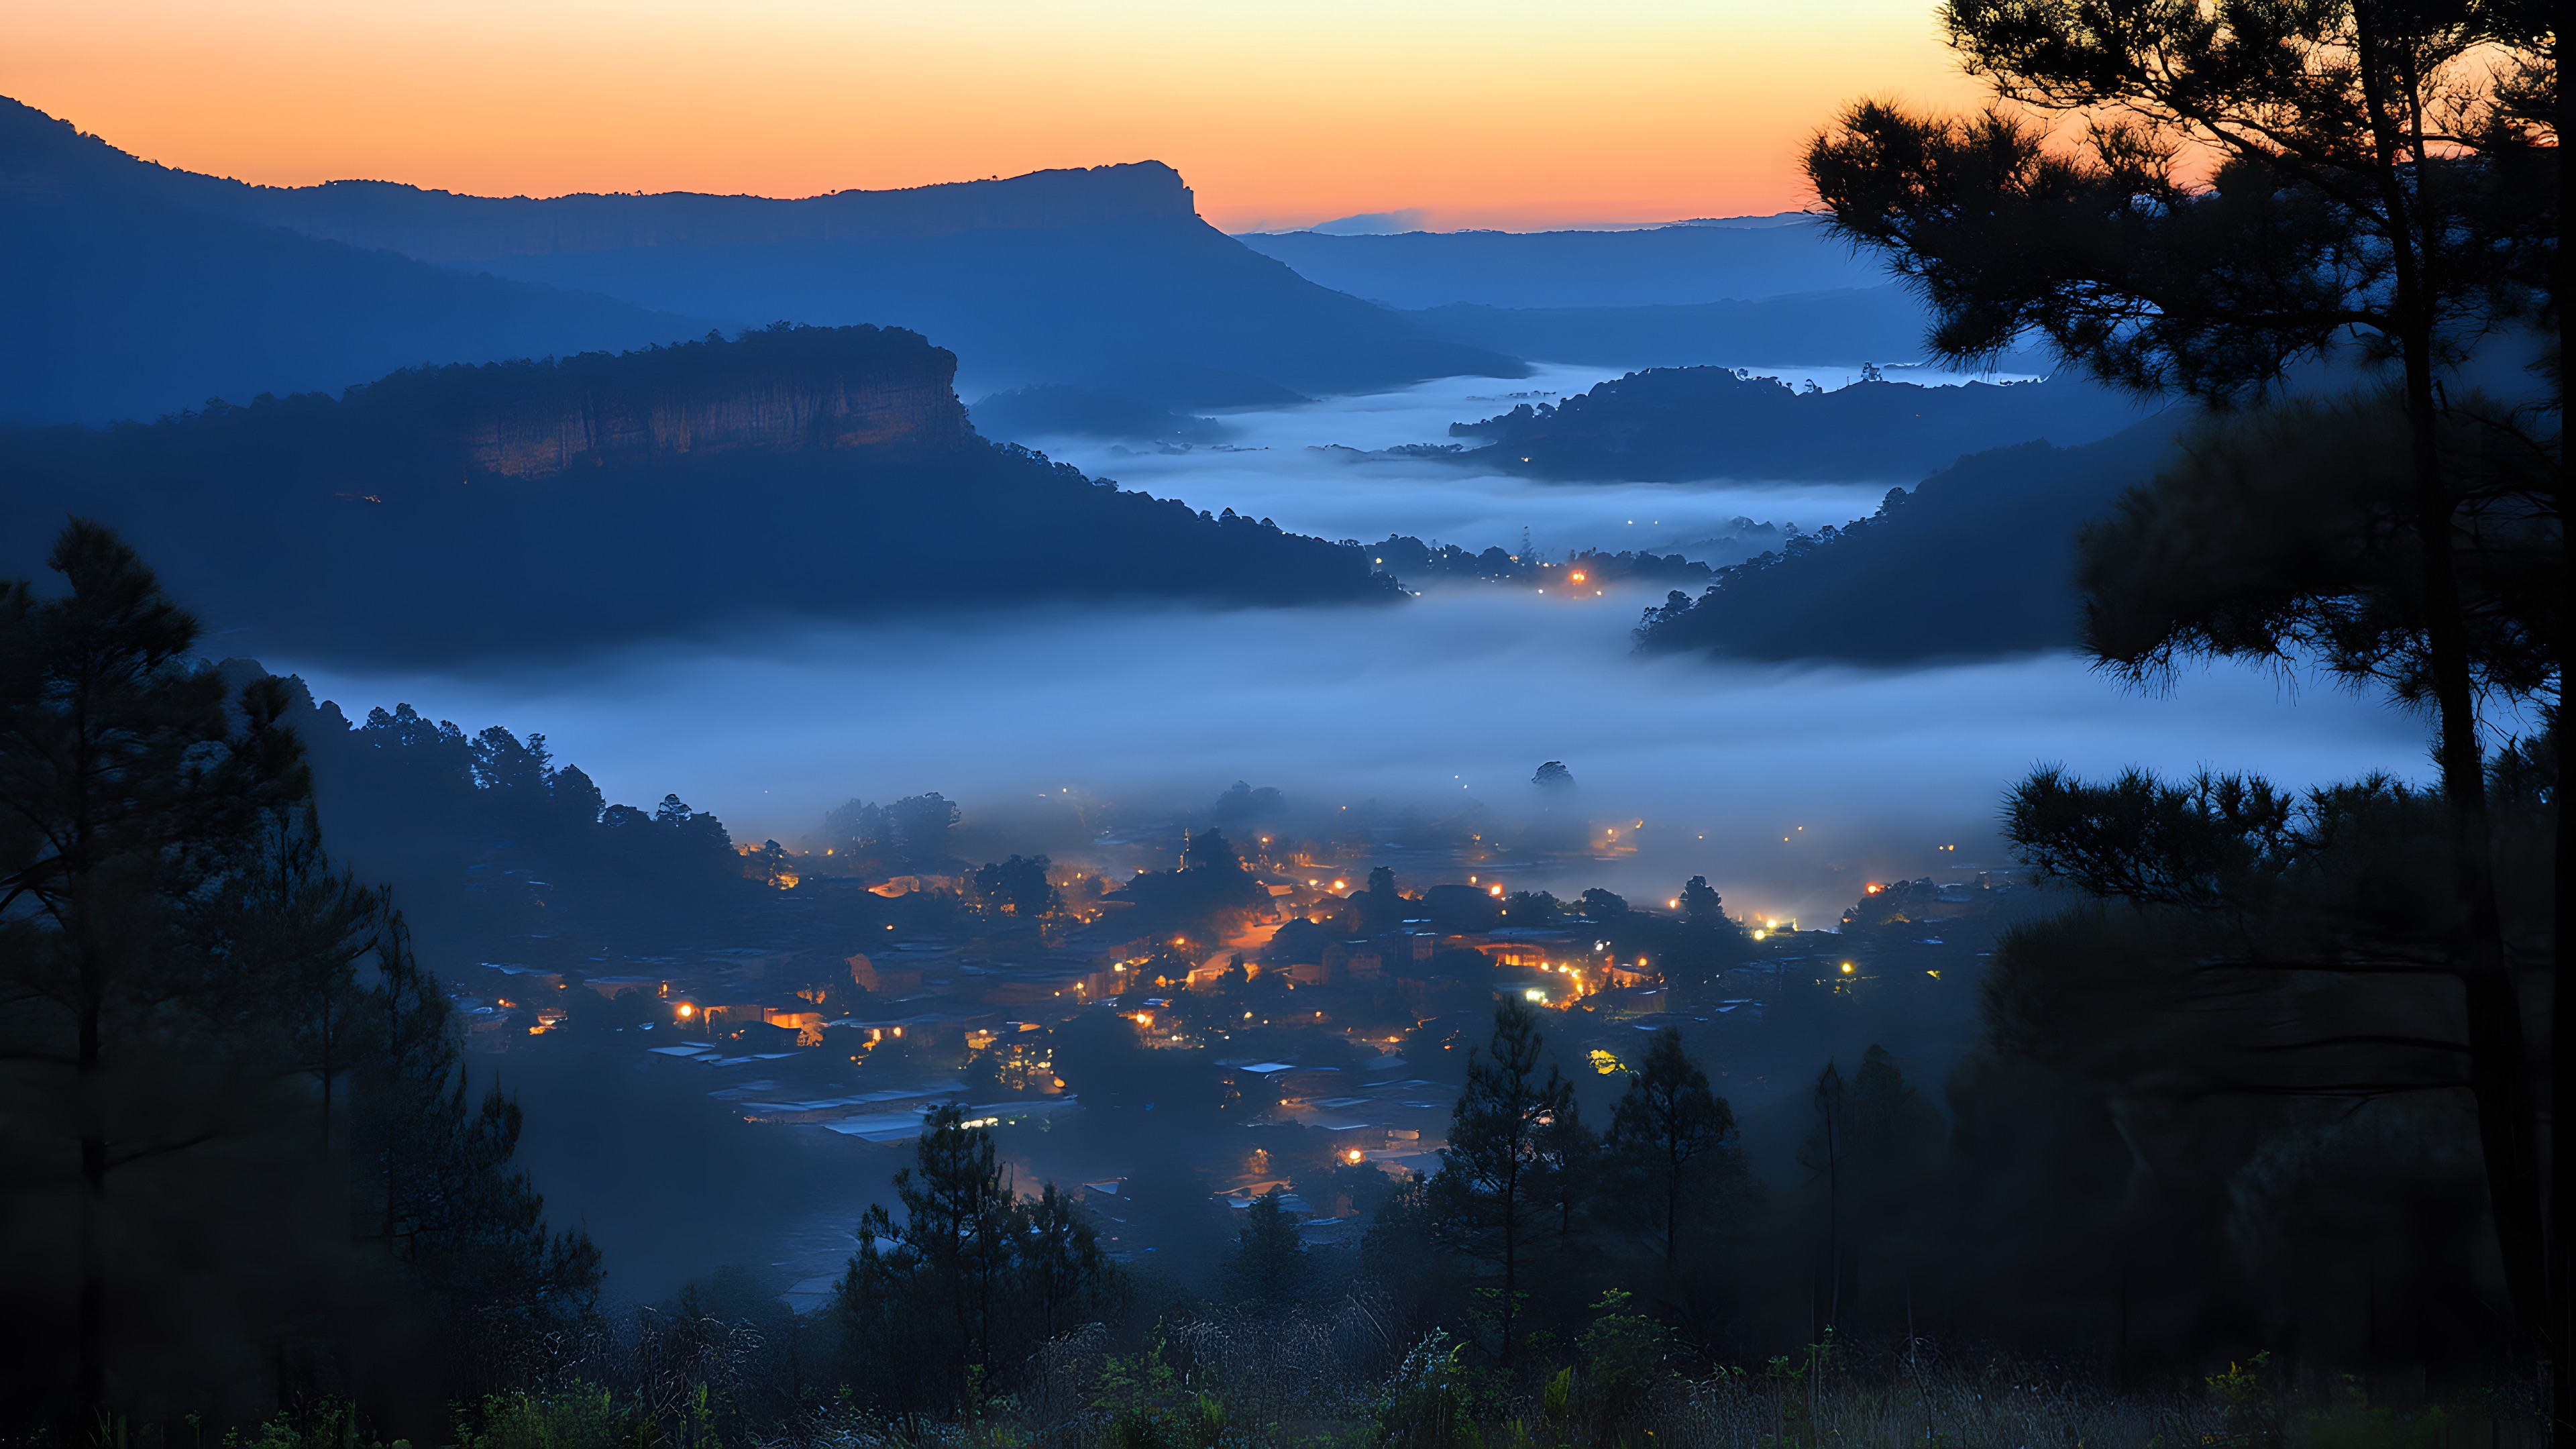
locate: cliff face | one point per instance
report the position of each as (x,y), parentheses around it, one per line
(789,390)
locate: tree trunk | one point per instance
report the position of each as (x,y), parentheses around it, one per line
(2562,1082)
(91,1349)
(2499,1078)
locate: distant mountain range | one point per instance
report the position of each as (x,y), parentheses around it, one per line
(543,510)
(1811,329)
(1679,265)
(140,288)
(1766,291)
(1679,424)
(123,295)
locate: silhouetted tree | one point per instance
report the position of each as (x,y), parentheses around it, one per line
(2385,172)
(130,778)
(1485,1197)
(1019,886)
(1667,1133)
(1268,1264)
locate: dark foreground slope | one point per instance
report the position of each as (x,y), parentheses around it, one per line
(1978,560)
(1710,422)
(541,509)
(122,295)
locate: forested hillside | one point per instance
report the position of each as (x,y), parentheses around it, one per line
(535,508)
(1671,424)
(1977,560)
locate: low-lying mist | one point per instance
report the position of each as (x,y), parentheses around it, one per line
(1440,704)
(1786,786)
(1307,468)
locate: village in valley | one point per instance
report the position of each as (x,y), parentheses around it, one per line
(1272,1009)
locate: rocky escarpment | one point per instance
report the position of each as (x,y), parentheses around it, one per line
(783,390)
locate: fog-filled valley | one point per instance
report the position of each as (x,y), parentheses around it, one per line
(984,815)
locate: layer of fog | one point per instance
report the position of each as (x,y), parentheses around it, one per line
(1440,702)
(1303,468)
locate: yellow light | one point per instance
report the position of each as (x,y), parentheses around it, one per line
(687,1010)
(1354,1154)
(1341,885)
(1758,935)
(1674,904)
(1847,968)
(1496,891)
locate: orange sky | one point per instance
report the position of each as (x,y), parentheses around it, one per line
(1493,113)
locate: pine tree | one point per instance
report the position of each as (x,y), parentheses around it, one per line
(2253,185)
(1061,1264)
(1485,1196)
(130,777)
(1667,1131)
(1269,1263)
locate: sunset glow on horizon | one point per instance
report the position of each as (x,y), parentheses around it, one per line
(1512,115)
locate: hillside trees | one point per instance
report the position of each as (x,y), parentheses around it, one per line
(971,1278)
(194,1046)
(2257,184)
(1488,1199)
(1672,1138)
(1268,1264)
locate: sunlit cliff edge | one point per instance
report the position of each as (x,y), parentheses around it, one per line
(777,391)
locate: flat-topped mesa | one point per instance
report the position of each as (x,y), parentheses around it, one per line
(781,390)
(441,226)
(44,160)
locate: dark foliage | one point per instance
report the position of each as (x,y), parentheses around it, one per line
(1992,541)
(471,512)
(2287,536)
(1712,422)
(933,1308)
(244,1162)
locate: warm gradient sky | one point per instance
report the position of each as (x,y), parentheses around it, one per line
(1496,112)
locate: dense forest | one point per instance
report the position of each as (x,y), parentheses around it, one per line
(1672,424)
(538,508)
(248,1163)
(1979,559)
